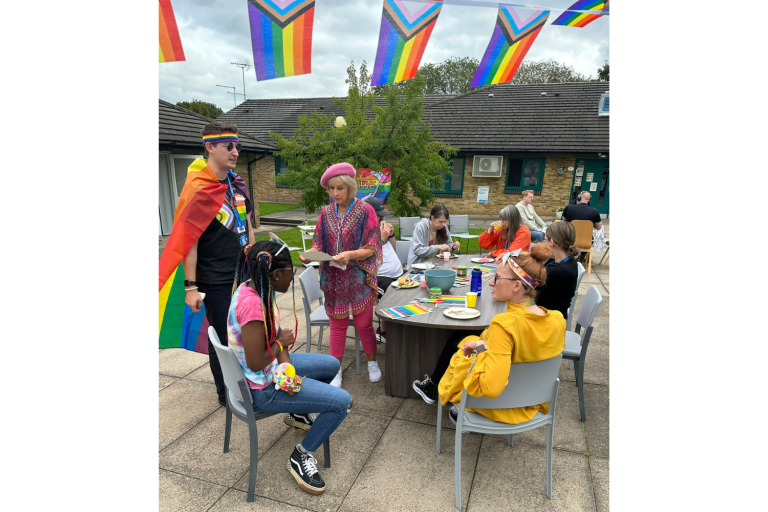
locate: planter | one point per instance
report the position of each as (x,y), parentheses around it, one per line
(559,215)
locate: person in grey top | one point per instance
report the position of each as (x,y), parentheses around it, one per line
(528,215)
(431,236)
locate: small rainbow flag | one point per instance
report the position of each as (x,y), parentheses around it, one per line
(581,19)
(511,40)
(281,35)
(404,311)
(402,39)
(170,42)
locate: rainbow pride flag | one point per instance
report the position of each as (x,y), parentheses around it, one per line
(402,39)
(281,36)
(404,311)
(170,42)
(570,18)
(511,40)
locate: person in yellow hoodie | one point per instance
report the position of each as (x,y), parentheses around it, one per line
(524,333)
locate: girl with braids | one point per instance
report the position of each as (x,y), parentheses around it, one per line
(254,333)
(562,267)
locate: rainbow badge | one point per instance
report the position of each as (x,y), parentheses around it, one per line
(170,42)
(570,18)
(402,39)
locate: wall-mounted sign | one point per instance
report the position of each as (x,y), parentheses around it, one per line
(577,182)
(590,176)
(482,194)
(592,187)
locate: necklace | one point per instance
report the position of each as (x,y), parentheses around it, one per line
(340,220)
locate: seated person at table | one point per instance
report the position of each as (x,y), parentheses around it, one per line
(524,333)
(582,211)
(562,267)
(431,236)
(528,215)
(506,234)
(391,267)
(254,333)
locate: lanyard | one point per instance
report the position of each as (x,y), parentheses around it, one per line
(348,208)
(239,223)
(563,261)
(339,239)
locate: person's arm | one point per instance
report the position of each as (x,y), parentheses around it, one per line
(250,231)
(597,221)
(257,356)
(420,242)
(488,240)
(524,216)
(193,298)
(539,223)
(490,373)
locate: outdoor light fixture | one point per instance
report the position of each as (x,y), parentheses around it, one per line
(543,94)
(490,95)
(340,122)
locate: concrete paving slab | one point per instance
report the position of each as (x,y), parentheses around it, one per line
(569,431)
(202,374)
(600,482)
(184,404)
(179,362)
(405,473)
(167,380)
(592,278)
(419,411)
(236,501)
(200,453)
(596,407)
(518,474)
(179,493)
(597,367)
(369,396)
(351,445)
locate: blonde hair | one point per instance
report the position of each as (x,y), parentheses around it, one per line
(533,264)
(525,193)
(347,180)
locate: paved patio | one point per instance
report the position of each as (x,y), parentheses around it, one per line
(383,455)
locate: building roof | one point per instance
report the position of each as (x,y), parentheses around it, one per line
(184,128)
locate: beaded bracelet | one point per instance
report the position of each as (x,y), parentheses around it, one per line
(190,289)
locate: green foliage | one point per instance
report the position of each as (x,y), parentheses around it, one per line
(201,107)
(546,72)
(269,208)
(376,137)
(452,76)
(602,73)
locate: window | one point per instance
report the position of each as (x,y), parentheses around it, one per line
(281,167)
(453,183)
(524,173)
(603,108)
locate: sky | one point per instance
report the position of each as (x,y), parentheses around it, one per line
(217,32)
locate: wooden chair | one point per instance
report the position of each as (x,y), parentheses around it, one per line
(607,248)
(584,239)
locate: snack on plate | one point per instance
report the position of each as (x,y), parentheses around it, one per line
(406,281)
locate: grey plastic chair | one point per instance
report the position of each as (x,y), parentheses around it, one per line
(458,225)
(406,227)
(568,320)
(310,288)
(403,246)
(528,384)
(240,403)
(576,344)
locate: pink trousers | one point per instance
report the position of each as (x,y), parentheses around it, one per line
(363,323)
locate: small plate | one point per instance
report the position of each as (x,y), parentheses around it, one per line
(423,266)
(461,313)
(396,285)
(482,260)
(440,255)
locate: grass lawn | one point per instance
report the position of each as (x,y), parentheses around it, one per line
(268,208)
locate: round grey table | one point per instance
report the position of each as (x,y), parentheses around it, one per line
(414,343)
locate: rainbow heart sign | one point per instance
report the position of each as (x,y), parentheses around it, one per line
(374,184)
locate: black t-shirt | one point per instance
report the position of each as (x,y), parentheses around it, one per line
(219,245)
(557,292)
(581,211)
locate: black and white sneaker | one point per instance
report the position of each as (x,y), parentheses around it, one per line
(381,337)
(302,421)
(426,388)
(453,413)
(303,467)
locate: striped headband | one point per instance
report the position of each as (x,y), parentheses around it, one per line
(215,138)
(517,269)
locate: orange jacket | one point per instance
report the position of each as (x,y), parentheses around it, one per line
(522,241)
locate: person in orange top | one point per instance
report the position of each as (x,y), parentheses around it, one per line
(506,234)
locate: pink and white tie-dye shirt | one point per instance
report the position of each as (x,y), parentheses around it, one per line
(246,307)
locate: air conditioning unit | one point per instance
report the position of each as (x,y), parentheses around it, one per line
(487,166)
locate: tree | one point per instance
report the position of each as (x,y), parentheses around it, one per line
(452,76)
(546,72)
(375,137)
(602,73)
(201,107)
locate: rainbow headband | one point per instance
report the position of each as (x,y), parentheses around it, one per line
(215,138)
(517,269)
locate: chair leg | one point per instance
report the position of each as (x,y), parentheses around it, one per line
(439,425)
(510,440)
(581,391)
(550,431)
(457,469)
(327,453)
(228,427)
(606,262)
(576,371)
(589,264)
(604,255)
(320,338)
(570,364)
(308,348)
(357,353)
(254,461)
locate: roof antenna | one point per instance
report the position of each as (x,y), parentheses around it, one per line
(243,66)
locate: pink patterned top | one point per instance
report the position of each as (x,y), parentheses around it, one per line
(350,291)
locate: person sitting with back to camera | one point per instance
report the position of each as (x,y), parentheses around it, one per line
(431,236)
(562,267)
(506,234)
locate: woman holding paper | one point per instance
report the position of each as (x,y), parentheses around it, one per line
(348,230)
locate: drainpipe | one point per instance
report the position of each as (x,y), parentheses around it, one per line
(250,185)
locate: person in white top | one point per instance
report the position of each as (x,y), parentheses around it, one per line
(392,267)
(528,215)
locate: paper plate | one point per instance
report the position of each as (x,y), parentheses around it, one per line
(440,255)
(396,285)
(461,313)
(482,260)
(423,266)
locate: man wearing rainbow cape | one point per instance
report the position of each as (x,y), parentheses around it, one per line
(199,261)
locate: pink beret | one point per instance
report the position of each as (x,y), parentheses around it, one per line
(337,170)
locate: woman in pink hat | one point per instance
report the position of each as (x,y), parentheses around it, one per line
(348,230)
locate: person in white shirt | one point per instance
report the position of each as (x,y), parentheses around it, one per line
(392,267)
(528,215)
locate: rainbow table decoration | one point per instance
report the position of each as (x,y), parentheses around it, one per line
(402,39)
(580,19)
(446,301)
(281,36)
(170,42)
(404,311)
(511,40)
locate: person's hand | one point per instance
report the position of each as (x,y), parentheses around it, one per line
(390,230)
(194,300)
(470,347)
(306,260)
(342,258)
(539,230)
(444,247)
(493,226)
(455,245)
(285,336)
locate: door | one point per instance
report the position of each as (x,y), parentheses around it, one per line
(592,175)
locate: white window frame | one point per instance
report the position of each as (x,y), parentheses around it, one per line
(600,105)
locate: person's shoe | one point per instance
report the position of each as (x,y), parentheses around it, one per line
(337,380)
(453,413)
(381,337)
(303,467)
(223,401)
(426,388)
(374,373)
(302,421)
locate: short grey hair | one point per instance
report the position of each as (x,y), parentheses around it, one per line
(349,181)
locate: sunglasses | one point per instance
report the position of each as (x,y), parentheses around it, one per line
(231,145)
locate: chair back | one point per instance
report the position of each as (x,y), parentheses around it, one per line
(403,246)
(583,234)
(407,224)
(230,366)
(589,306)
(458,224)
(580,275)
(310,286)
(528,384)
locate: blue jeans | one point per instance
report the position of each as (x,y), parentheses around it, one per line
(537,235)
(316,395)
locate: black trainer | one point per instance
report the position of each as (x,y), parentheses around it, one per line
(222,401)
(302,421)
(426,388)
(303,467)
(453,413)
(381,337)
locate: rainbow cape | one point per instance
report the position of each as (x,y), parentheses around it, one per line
(511,40)
(170,42)
(580,19)
(199,202)
(402,39)
(281,36)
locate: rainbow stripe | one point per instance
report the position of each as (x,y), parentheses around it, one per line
(402,39)
(170,42)
(404,311)
(580,19)
(215,138)
(510,42)
(281,36)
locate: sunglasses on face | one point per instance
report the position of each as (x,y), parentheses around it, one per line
(231,145)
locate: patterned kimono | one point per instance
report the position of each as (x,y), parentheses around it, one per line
(350,291)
